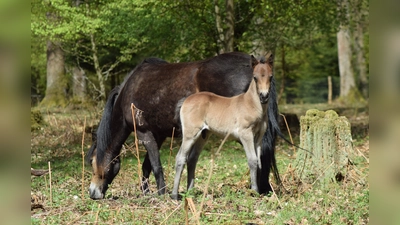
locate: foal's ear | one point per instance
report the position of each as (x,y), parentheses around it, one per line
(254,61)
(270,59)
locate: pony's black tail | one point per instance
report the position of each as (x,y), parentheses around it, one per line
(267,157)
(103,133)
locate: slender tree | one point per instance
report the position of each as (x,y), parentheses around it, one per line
(230,24)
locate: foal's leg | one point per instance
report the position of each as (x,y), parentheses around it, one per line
(247,140)
(257,147)
(193,158)
(181,159)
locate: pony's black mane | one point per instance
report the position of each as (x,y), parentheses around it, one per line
(104,127)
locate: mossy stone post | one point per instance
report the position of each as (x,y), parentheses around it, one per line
(328,137)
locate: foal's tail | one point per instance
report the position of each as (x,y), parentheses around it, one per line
(103,133)
(267,157)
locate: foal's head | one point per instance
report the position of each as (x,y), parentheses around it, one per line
(263,73)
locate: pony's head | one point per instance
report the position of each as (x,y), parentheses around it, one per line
(263,73)
(104,161)
(104,171)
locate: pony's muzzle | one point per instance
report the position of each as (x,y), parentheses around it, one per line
(264,96)
(95,192)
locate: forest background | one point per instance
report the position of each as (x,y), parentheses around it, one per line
(81,49)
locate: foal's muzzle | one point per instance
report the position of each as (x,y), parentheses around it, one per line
(264,97)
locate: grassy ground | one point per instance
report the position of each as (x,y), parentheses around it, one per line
(226,201)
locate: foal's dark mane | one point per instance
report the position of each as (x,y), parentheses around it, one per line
(262,60)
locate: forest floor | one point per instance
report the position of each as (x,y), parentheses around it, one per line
(223,199)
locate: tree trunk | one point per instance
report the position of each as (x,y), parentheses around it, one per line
(259,48)
(56,81)
(359,18)
(329,90)
(361,64)
(349,93)
(347,81)
(78,83)
(220,30)
(225,39)
(230,23)
(97,68)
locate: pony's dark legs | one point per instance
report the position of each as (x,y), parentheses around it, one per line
(152,161)
(146,170)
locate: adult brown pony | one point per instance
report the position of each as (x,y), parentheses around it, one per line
(155,87)
(242,117)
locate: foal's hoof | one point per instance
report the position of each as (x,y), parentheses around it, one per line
(252,193)
(177,197)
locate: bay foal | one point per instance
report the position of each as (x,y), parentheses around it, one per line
(243,117)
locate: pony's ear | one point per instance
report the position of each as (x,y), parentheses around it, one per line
(254,61)
(270,59)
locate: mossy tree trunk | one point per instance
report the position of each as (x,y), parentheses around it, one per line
(225,36)
(328,137)
(56,86)
(349,93)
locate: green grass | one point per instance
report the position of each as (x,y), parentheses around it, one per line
(228,199)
